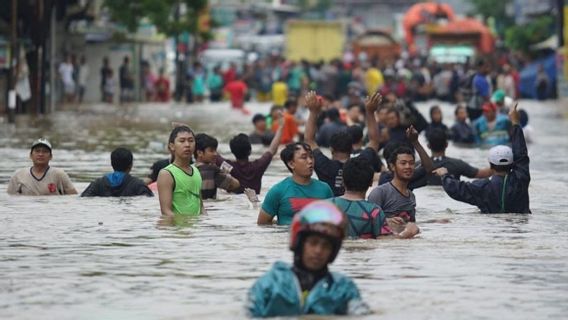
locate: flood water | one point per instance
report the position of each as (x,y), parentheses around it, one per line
(73,258)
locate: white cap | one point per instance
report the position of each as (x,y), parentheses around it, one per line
(508,102)
(43,142)
(501,155)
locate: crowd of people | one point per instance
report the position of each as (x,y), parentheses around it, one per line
(364,189)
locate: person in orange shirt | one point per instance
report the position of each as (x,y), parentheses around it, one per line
(290,125)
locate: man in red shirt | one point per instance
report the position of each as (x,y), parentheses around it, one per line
(162,86)
(237,90)
(231,74)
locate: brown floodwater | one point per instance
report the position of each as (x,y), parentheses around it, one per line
(99,258)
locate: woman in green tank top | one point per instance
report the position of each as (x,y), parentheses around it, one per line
(179,184)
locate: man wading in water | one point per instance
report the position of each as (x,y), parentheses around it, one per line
(508,189)
(179,184)
(41,179)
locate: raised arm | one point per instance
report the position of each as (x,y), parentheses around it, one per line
(371,105)
(314,105)
(412,136)
(520,153)
(273,148)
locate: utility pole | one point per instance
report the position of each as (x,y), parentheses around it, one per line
(560,25)
(13,75)
(52,54)
(178,92)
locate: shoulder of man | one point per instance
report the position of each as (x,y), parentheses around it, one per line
(58,171)
(21,171)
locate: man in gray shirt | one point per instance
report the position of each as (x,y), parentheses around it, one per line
(395,198)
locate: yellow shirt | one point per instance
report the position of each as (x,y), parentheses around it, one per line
(279,93)
(373,80)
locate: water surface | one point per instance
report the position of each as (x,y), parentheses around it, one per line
(73,258)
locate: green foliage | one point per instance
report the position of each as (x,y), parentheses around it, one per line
(160,13)
(522,37)
(491,8)
(496,9)
(317,5)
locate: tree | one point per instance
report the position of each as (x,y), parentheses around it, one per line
(171,17)
(497,10)
(522,37)
(166,15)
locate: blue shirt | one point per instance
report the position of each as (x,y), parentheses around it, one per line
(278,293)
(481,86)
(492,137)
(287,197)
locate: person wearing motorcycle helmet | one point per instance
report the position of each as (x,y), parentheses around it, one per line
(307,286)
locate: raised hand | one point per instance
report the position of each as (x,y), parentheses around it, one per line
(412,134)
(440,171)
(313,102)
(373,102)
(514,115)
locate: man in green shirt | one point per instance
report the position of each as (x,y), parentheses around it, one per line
(290,195)
(179,184)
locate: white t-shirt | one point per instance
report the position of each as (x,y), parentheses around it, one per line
(54,182)
(66,73)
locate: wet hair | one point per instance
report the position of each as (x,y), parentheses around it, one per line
(328,97)
(357,174)
(204,141)
(178,130)
(332,114)
(392,146)
(433,109)
(356,133)
(356,105)
(400,150)
(341,141)
(258,117)
(393,110)
(524,118)
(174,134)
(287,154)
(290,103)
(437,140)
(275,107)
(240,146)
(121,159)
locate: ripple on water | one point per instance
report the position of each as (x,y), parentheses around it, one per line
(74,258)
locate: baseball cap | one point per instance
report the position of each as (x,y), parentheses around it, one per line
(501,155)
(489,106)
(43,142)
(498,96)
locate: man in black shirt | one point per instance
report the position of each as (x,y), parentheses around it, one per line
(508,188)
(126,81)
(328,129)
(260,135)
(462,132)
(331,170)
(118,183)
